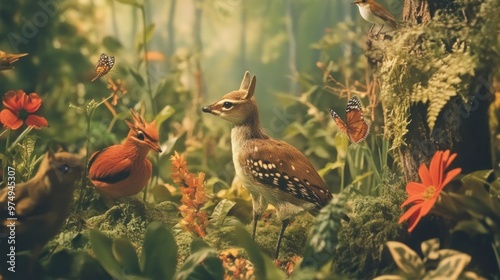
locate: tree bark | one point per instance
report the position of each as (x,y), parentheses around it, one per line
(458,128)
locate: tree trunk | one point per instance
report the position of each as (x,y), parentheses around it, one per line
(460,128)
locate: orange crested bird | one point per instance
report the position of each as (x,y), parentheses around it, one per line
(31,213)
(124,170)
(272,171)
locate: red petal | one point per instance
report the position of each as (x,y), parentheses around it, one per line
(14,100)
(413,199)
(427,205)
(413,216)
(450,160)
(413,188)
(33,103)
(36,121)
(425,176)
(10,120)
(449,176)
(436,168)
(414,209)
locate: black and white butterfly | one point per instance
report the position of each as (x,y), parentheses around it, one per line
(354,126)
(103,66)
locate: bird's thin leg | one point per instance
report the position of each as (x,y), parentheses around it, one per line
(380,29)
(371,29)
(284,224)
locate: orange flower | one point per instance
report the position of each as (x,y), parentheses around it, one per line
(423,195)
(21,107)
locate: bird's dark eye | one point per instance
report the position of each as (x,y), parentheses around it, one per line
(227,105)
(140,135)
(64,168)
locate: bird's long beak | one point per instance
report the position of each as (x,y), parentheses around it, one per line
(155,147)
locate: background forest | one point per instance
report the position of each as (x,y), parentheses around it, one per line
(174,57)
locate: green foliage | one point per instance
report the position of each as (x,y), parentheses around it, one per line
(323,238)
(473,201)
(434,62)
(450,264)
(359,252)
(158,259)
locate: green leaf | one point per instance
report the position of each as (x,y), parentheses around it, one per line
(159,252)
(134,3)
(203,263)
(161,193)
(406,259)
(430,248)
(483,175)
(138,78)
(220,212)
(450,268)
(471,227)
(264,266)
(126,255)
(330,166)
(102,247)
(150,30)
(164,115)
(111,44)
(475,207)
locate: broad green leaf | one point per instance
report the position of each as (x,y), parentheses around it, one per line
(472,205)
(161,193)
(220,212)
(138,78)
(471,227)
(450,268)
(203,263)
(406,259)
(159,252)
(264,266)
(483,175)
(126,255)
(430,248)
(102,247)
(164,115)
(135,3)
(111,44)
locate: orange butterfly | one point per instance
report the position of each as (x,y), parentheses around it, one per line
(355,126)
(103,66)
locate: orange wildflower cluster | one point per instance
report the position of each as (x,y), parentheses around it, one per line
(194,197)
(235,266)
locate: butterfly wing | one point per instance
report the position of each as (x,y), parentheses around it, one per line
(103,66)
(356,126)
(340,123)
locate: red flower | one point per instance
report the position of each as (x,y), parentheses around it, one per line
(21,107)
(423,195)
